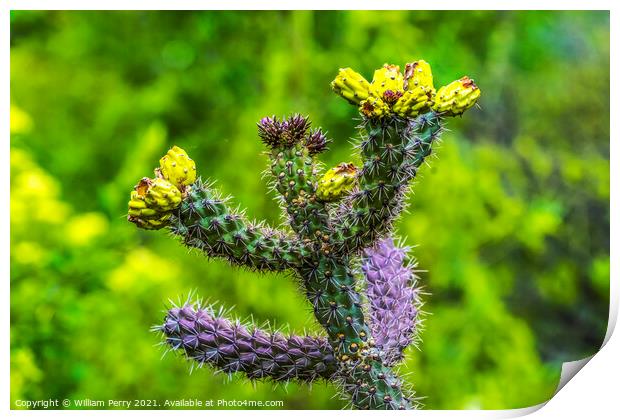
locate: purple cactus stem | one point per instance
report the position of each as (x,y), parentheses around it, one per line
(393,298)
(232,347)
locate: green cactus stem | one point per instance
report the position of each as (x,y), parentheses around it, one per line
(392,151)
(205,221)
(291,150)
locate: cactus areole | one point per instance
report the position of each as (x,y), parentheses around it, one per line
(335,218)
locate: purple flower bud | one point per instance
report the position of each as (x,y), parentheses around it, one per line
(295,128)
(270,131)
(393,298)
(316,142)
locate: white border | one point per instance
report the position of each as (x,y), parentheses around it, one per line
(308,5)
(592,393)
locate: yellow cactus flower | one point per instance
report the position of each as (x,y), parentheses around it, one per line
(457,97)
(161,194)
(418,74)
(152,202)
(374,108)
(337,182)
(387,80)
(178,168)
(351,86)
(414,102)
(150,223)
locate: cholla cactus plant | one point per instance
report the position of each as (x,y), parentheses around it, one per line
(333,221)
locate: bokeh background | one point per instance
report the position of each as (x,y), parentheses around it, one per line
(511,220)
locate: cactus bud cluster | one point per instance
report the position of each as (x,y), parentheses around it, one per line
(288,132)
(153,199)
(407,95)
(152,202)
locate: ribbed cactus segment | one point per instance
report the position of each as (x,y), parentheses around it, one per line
(329,282)
(330,287)
(392,297)
(228,346)
(392,153)
(205,221)
(374,386)
(295,178)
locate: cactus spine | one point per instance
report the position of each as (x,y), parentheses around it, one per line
(332,220)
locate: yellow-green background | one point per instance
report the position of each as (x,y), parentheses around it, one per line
(511,218)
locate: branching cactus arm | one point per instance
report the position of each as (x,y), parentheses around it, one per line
(329,282)
(205,221)
(292,147)
(402,117)
(197,214)
(206,337)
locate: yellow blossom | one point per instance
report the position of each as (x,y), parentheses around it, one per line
(337,182)
(178,168)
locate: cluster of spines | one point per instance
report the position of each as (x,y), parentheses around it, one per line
(204,221)
(275,133)
(228,346)
(393,299)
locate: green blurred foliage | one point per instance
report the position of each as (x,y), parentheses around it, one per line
(511,220)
